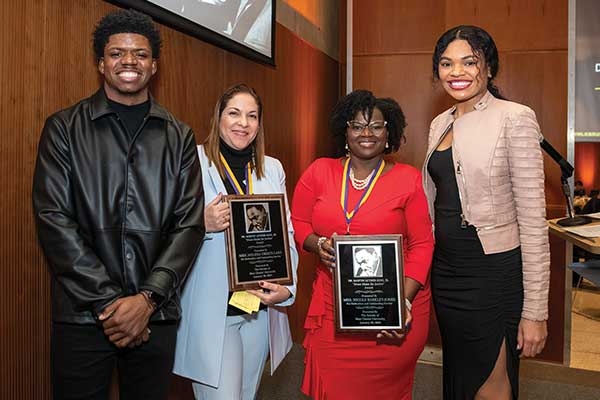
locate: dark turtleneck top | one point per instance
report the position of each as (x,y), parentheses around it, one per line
(237,160)
(131,116)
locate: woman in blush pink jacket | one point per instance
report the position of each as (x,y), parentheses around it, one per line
(484,179)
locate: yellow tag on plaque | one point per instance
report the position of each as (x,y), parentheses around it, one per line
(245,301)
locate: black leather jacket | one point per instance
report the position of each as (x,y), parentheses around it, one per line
(115,217)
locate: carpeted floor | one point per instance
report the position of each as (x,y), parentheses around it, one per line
(538,381)
(585,329)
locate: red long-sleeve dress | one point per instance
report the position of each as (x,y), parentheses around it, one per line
(350,367)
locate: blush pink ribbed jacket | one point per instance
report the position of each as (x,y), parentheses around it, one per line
(500,175)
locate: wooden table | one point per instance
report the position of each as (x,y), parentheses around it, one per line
(588,244)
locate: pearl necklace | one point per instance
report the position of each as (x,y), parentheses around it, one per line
(360,184)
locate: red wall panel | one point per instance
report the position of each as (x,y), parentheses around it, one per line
(587,165)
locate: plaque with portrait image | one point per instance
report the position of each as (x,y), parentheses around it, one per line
(369,284)
(257,241)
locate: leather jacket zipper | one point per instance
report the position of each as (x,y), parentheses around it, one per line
(463,219)
(486,228)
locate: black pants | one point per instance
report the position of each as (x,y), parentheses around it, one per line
(83,360)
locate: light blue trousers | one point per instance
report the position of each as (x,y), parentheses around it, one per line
(245,351)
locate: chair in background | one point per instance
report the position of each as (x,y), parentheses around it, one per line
(589,270)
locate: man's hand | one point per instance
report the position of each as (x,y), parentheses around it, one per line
(143,338)
(126,319)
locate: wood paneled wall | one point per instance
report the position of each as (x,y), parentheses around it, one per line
(47,64)
(393,45)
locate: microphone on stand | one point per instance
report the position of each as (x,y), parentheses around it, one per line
(566,172)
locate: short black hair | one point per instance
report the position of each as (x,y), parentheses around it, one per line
(126,21)
(364,101)
(259,207)
(579,183)
(482,44)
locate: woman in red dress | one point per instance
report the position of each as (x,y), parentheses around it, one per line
(387,198)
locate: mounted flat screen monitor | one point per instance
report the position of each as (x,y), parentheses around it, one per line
(245,27)
(587,71)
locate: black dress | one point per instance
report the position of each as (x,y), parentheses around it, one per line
(478,298)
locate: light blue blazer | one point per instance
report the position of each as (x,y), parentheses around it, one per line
(199,349)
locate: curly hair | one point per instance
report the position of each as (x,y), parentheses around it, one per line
(363,101)
(482,44)
(126,21)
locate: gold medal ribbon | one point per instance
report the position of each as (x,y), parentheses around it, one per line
(245,301)
(349,215)
(234,182)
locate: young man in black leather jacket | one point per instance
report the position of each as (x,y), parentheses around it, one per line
(118,202)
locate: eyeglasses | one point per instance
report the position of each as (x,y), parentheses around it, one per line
(375,127)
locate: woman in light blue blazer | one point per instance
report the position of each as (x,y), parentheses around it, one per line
(221,348)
